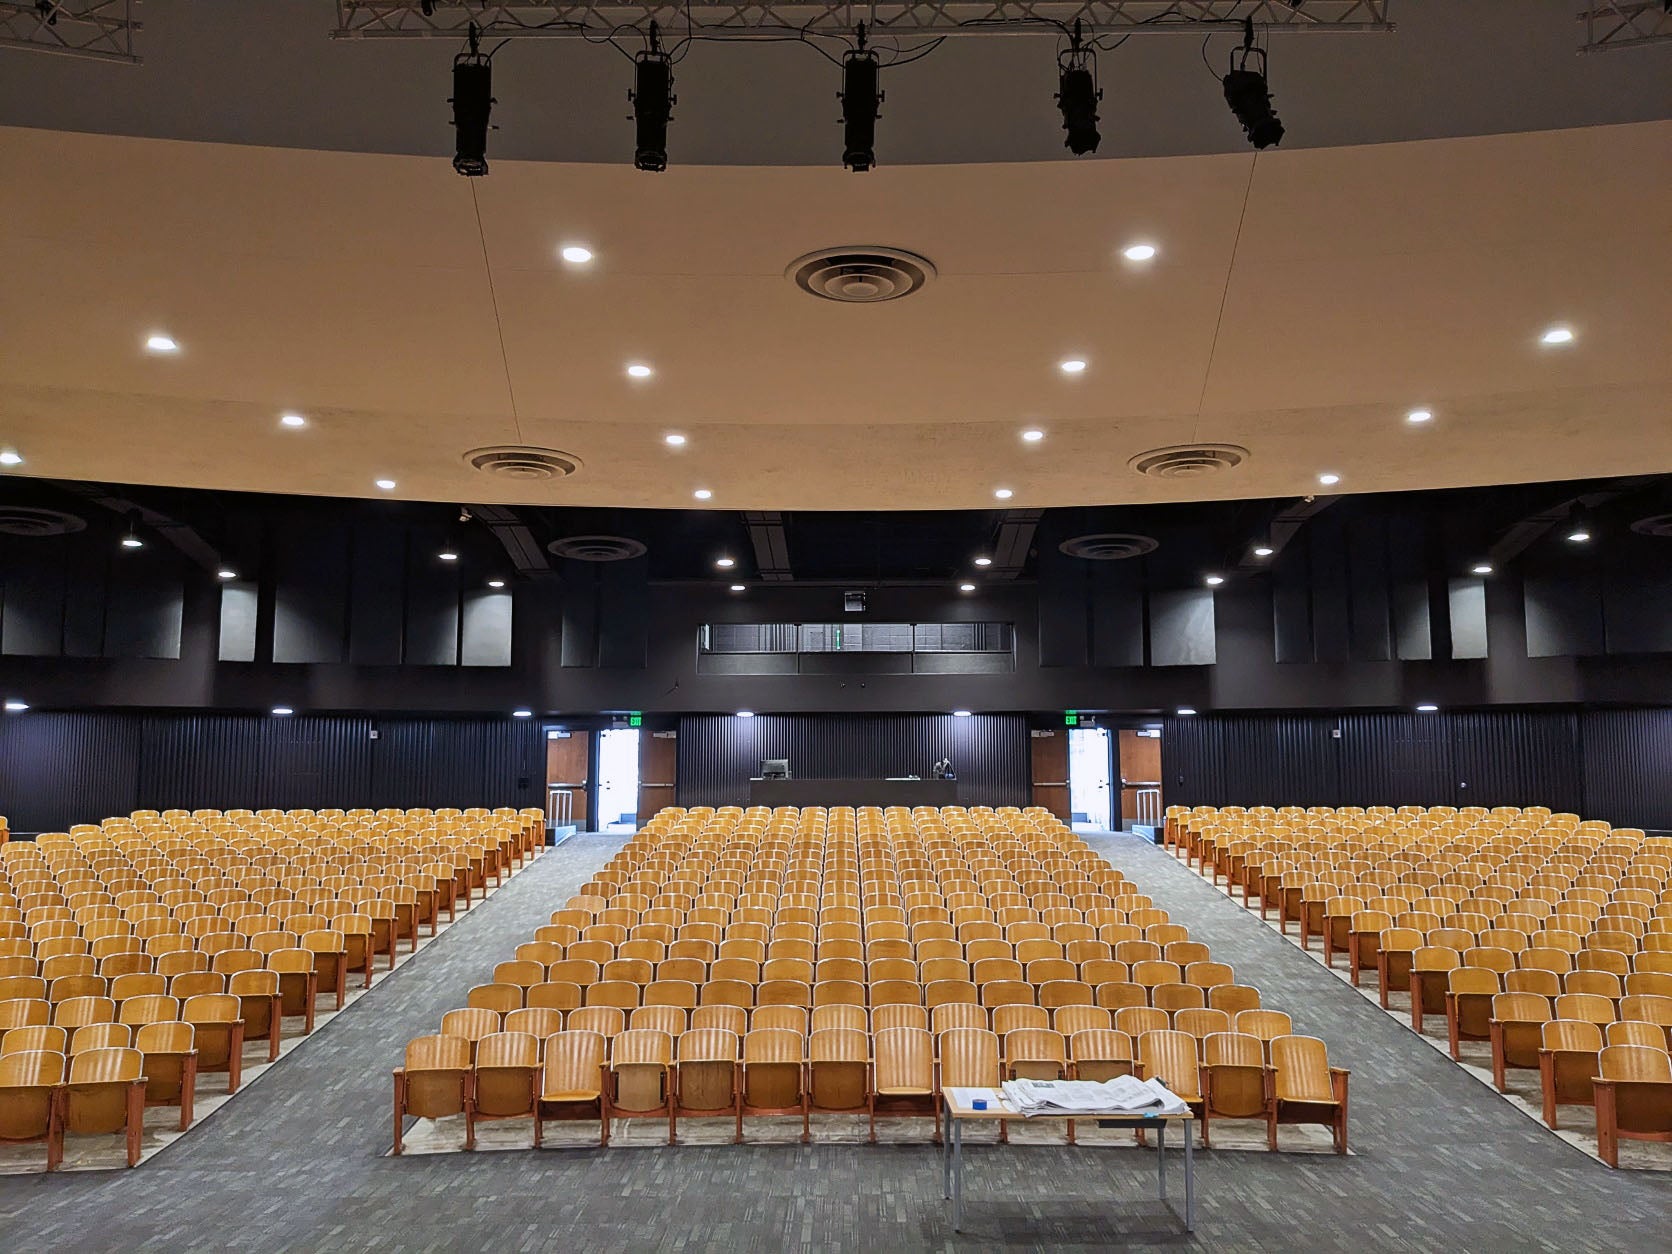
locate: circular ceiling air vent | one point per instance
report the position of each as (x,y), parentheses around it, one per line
(1188,461)
(1109,546)
(860,276)
(1657,525)
(514,461)
(19,520)
(597,548)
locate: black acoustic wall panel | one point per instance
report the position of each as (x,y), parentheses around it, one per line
(223,761)
(143,604)
(1331,615)
(32,596)
(1181,627)
(578,642)
(1637,611)
(377,596)
(1117,613)
(1504,757)
(1291,603)
(240,603)
(1628,767)
(1368,582)
(718,754)
(1413,619)
(1064,625)
(624,614)
(432,600)
(485,628)
(310,601)
(61,769)
(1564,616)
(86,570)
(1467,601)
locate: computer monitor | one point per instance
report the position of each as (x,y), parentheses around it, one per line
(775,768)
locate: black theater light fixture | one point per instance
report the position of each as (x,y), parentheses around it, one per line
(130,537)
(861,98)
(1078,94)
(653,100)
(1579,528)
(1248,94)
(472,102)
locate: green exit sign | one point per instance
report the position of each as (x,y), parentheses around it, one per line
(1071,718)
(635,720)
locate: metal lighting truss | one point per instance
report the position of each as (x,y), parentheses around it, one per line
(742,19)
(102,30)
(1626,24)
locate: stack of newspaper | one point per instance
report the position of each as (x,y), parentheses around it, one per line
(1123,1095)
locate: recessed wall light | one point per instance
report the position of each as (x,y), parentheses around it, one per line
(10,457)
(1072,365)
(160,343)
(1213,581)
(1557,335)
(388,485)
(673,439)
(496,583)
(703,494)
(1003,494)
(1263,550)
(226,572)
(966,587)
(983,561)
(1138,252)
(1184,710)
(725,563)
(282,710)
(292,420)
(1427,708)
(1033,435)
(576,254)
(638,370)
(1481,568)
(1420,416)
(737,587)
(745,714)
(522,713)
(16,707)
(447,555)
(960,713)
(1329,479)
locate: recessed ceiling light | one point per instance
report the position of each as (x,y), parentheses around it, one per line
(983,561)
(745,714)
(1072,365)
(966,587)
(10,457)
(292,420)
(673,439)
(522,713)
(1138,252)
(577,254)
(1003,494)
(1427,708)
(1481,568)
(388,485)
(1185,710)
(703,494)
(226,572)
(1420,415)
(638,370)
(737,587)
(447,555)
(16,707)
(282,710)
(496,583)
(131,541)
(960,713)
(161,344)
(1579,535)
(1263,550)
(725,563)
(1033,435)
(1213,581)
(1557,335)
(1328,479)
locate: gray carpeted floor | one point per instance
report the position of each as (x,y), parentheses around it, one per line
(298,1162)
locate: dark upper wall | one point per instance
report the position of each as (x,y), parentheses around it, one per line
(1614,765)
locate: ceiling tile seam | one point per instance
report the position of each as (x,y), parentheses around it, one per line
(498,322)
(1224,296)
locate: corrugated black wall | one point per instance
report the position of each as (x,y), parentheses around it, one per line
(718,754)
(1603,764)
(59,769)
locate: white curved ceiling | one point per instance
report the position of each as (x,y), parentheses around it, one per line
(1300,305)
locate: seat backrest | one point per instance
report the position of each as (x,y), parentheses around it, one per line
(1635,1063)
(1474,980)
(1592,1007)
(1100,1045)
(1035,1045)
(1636,1032)
(708,1045)
(211,1008)
(1520,1008)
(41,1037)
(1171,1056)
(573,1059)
(31,1069)
(1233,1049)
(837,1045)
(472,1023)
(1571,1035)
(969,1058)
(508,1049)
(641,1047)
(773,1045)
(106,1066)
(1301,1066)
(606,1021)
(165,1038)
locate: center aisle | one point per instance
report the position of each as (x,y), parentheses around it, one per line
(1416,1118)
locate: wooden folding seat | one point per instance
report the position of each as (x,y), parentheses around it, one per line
(1172,1057)
(706,1077)
(1601,983)
(1133,952)
(298,983)
(537,1021)
(1431,968)
(433,1083)
(1589,1007)
(1625,1032)
(1305,1089)
(260,1005)
(969,1058)
(1201,1022)
(1516,1032)
(838,1073)
(105,1094)
(505,1081)
(218,1033)
(1034,1053)
(607,1021)
(41,1038)
(29,1106)
(1633,1090)
(1136,1020)
(1655,1008)
(170,1053)
(471,1023)
(770,1079)
(1233,1078)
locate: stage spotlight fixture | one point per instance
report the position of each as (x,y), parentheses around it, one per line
(472,102)
(861,98)
(1579,529)
(1248,95)
(130,538)
(1078,94)
(653,100)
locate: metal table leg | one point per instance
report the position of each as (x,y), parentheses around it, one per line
(1189,1179)
(1161,1157)
(957,1175)
(946,1154)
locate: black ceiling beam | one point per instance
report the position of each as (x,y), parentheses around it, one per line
(771,544)
(1284,527)
(177,533)
(1522,534)
(525,552)
(1014,542)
